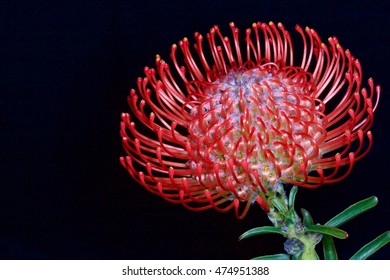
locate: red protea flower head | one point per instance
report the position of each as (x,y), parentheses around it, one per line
(240,117)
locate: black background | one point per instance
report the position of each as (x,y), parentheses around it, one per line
(66,69)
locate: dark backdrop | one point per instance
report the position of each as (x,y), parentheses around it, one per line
(66,69)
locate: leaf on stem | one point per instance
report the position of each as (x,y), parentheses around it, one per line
(260,230)
(353,211)
(369,249)
(281,208)
(326,230)
(291,198)
(307,219)
(329,248)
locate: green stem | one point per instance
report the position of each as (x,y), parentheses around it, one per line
(299,244)
(309,253)
(302,237)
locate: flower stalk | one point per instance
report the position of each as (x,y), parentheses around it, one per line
(300,244)
(303,235)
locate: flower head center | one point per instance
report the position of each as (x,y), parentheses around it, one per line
(259,126)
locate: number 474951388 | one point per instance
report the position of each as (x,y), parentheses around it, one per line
(241,270)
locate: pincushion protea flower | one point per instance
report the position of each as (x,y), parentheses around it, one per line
(242,116)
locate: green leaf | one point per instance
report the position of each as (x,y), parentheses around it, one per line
(307,219)
(335,232)
(353,211)
(369,249)
(278,205)
(260,230)
(291,204)
(329,248)
(273,257)
(291,198)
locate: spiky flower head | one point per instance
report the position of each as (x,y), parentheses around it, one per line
(239,117)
